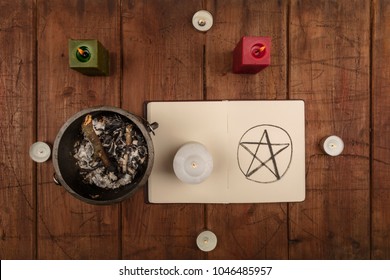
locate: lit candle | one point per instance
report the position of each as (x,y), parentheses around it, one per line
(251,55)
(192,163)
(88,57)
(206,241)
(332,145)
(40,152)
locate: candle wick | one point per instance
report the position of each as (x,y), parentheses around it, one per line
(194,165)
(202,22)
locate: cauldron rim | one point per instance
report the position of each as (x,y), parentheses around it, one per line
(141,125)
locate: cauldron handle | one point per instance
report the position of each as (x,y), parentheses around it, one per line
(151,127)
(55,179)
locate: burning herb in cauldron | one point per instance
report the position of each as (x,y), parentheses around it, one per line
(111,152)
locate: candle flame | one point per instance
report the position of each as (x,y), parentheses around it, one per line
(261,49)
(80,50)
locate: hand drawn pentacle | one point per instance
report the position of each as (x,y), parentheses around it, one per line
(264,153)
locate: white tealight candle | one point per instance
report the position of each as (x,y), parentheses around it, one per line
(202,20)
(40,152)
(206,241)
(192,163)
(332,145)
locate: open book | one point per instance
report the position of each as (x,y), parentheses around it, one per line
(258,150)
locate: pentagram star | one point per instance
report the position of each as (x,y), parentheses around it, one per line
(256,163)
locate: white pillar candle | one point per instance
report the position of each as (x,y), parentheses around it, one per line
(206,241)
(40,152)
(192,163)
(332,145)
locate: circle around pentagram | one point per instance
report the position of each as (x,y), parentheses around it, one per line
(264,153)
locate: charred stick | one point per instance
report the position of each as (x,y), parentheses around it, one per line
(129,129)
(124,162)
(87,128)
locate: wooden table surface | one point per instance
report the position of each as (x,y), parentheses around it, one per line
(332,54)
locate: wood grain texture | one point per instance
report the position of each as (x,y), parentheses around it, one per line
(67,227)
(381,131)
(329,69)
(162,60)
(17,130)
(247,231)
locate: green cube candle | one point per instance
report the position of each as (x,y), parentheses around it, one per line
(88,57)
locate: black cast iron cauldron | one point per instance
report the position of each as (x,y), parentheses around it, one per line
(67,173)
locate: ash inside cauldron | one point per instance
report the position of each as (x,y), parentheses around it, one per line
(111,152)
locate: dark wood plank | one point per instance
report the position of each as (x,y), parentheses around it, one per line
(381,132)
(329,69)
(67,227)
(162,60)
(17,130)
(247,231)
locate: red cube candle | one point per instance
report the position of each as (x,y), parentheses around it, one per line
(251,55)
